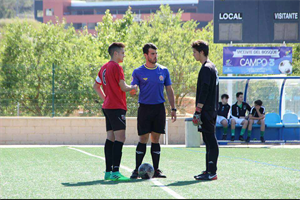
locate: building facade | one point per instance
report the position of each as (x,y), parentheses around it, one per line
(81,13)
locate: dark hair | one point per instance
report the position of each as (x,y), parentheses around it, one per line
(224,96)
(258,102)
(201,45)
(116,46)
(149,46)
(238,94)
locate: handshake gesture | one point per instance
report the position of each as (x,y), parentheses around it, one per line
(134,90)
(197,117)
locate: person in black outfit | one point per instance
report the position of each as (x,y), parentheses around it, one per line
(206,108)
(257,116)
(223,110)
(238,115)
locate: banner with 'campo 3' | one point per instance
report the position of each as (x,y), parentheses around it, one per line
(257,60)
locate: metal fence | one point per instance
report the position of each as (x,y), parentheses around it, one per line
(59,91)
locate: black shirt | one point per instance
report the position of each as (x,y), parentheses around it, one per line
(223,110)
(238,112)
(208,87)
(254,113)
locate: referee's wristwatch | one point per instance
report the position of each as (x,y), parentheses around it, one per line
(174,109)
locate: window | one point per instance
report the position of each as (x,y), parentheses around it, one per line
(191,10)
(40,13)
(88,12)
(67,25)
(77,25)
(285,31)
(92,26)
(145,11)
(230,31)
(100,12)
(76,12)
(50,12)
(73,12)
(122,12)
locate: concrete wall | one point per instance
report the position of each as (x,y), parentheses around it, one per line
(71,131)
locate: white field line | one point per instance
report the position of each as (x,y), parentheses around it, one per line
(288,146)
(156,182)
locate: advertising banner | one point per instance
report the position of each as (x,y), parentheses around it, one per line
(257,60)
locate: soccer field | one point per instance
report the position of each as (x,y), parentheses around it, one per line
(77,172)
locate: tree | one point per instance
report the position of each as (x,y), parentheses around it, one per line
(28,50)
(28,56)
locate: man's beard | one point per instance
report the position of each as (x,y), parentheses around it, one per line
(153,61)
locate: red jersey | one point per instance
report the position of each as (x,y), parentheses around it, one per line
(109,77)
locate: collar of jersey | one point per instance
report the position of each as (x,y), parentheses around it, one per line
(151,68)
(236,103)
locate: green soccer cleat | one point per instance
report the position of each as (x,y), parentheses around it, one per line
(117,176)
(107,176)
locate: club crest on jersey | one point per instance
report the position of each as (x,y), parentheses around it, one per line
(145,79)
(123,117)
(161,78)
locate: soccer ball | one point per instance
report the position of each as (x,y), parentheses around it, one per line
(146,171)
(285,67)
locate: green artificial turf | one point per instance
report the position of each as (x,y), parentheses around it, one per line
(65,173)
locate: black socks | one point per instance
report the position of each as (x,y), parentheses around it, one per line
(140,154)
(108,151)
(155,152)
(117,155)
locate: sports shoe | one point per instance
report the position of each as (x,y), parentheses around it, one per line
(202,173)
(135,174)
(262,139)
(248,139)
(158,174)
(107,176)
(117,176)
(207,177)
(241,138)
(232,138)
(224,137)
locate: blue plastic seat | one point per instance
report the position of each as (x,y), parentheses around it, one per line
(290,120)
(273,120)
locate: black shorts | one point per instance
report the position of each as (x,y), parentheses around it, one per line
(115,119)
(209,119)
(151,118)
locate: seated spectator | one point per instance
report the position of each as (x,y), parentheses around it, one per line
(222,117)
(257,116)
(238,115)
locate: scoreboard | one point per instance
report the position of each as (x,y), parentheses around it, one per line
(256,21)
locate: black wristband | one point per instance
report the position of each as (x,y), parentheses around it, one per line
(174,109)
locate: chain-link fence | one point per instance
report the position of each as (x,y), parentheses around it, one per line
(61,91)
(58,91)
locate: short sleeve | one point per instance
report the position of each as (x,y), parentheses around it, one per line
(263,110)
(168,79)
(252,110)
(119,75)
(248,107)
(135,79)
(98,79)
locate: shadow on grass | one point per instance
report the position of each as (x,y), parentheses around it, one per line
(184,183)
(99,182)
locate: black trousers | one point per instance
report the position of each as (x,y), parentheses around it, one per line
(212,152)
(209,137)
